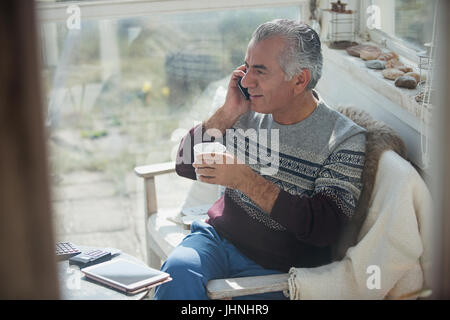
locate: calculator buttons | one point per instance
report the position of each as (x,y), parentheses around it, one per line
(65,250)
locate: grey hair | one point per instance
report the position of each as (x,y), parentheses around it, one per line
(303,48)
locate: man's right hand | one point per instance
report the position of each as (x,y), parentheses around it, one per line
(235,103)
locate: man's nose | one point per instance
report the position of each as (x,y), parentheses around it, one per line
(248,81)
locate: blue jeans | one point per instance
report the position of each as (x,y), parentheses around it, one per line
(203,255)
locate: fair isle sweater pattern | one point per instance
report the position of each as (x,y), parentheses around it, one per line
(302,172)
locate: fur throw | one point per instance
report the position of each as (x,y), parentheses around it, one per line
(379,138)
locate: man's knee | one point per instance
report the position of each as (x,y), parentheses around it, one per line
(187,283)
(191,264)
(175,265)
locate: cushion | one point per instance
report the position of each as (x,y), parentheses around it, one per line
(201,193)
(379,138)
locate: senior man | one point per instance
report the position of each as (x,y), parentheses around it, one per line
(268,221)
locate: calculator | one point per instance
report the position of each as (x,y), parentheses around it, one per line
(66,250)
(90,258)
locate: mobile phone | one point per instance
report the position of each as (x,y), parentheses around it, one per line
(243,90)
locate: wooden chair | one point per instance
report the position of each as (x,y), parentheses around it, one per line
(163,233)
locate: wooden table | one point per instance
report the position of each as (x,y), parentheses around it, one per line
(75,286)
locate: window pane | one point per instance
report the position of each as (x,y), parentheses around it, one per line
(120,93)
(414,21)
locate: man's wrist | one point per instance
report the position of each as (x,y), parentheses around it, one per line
(261,191)
(246,180)
(230,113)
(222,119)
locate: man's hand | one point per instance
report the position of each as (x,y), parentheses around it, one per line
(224,169)
(235,102)
(235,105)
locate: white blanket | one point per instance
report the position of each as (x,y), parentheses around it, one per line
(392,257)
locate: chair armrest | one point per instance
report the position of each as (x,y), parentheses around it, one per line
(235,287)
(153,170)
(148,173)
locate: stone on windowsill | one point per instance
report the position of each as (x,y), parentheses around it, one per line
(375,64)
(406,82)
(355,51)
(405,69)
(415,75)
(392,73)
(388,56)
(370,53)
(393,63)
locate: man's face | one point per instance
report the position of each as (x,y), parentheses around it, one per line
(265,80)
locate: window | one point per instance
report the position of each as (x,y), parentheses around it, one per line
(406,24)
(390,24)
(413,21)
(118,90)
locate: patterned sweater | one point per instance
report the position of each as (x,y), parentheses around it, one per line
(316,163)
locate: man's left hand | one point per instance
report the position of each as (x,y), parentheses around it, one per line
(225,170)
(222,169)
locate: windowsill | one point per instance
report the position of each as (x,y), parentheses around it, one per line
(401,97)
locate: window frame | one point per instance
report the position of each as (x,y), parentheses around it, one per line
(116,9)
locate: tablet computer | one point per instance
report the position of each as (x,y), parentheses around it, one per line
(125,275)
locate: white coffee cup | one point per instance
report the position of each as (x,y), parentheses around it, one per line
(207,148)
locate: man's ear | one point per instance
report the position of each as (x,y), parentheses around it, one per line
(301,80)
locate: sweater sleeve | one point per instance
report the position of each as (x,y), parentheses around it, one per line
(319,218)
(185,155)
